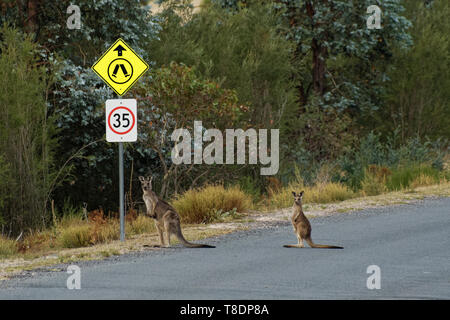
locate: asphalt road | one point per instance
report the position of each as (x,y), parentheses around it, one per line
(410,244)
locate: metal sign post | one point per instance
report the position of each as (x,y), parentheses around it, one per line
(120,67)
(121,126)
(121,194)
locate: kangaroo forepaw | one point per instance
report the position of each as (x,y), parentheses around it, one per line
(151,246)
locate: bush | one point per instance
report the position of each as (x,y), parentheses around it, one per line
(372,152)
(7,247)
(141,224)
(76,236)
(374,182)
(371,185)
(403,177)
(320,193)
(104,232)
(84,234)
(26,131)
(202,205)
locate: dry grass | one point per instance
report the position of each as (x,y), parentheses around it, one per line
(424,180)
(8,247)
(88,233)
(321,193)
(142,224)
(208,203)
(373,183)
(75,236)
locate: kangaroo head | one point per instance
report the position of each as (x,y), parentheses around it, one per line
(146,183)
(298,197)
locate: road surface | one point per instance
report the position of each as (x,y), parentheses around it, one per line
(410,244)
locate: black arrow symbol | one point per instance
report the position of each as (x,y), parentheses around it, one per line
(119,50)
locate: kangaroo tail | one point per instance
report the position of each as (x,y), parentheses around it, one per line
(292,246)
(190,244)
(324,246)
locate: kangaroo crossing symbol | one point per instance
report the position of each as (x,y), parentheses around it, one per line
(120,67)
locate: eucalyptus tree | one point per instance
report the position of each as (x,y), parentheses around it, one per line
(78,96)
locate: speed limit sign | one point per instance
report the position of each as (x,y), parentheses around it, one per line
(121,120)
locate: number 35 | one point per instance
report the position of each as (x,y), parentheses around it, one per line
(125,118)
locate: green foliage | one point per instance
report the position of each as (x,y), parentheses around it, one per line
(243,51)
(344,53)
(78,95)
(251,187)
(373,151)
(4,175)
(418,96)
(175,97)
(26,131)
(372,184)
(402,177)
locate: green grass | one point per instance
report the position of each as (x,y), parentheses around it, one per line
(403,177)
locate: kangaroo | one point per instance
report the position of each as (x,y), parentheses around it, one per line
(302,227)
(167,220)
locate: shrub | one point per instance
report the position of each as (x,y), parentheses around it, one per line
(202,205)
(105,232)
(141,224)
(27,137)
(403,177)
(371,185)
(372,152)
(422,180)
(320,193)
(76,236)
(250,186)
(8,247)
(85,234)
(374,182)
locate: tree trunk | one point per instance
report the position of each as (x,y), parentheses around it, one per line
(31,24)
(319,54)
(319,67)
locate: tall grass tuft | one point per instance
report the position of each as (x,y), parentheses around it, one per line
(374,182)
(321,193)
(75,236)
(8,247)
(142,224)
(202,205)
(403,177)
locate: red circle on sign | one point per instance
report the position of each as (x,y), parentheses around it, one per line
(109,118)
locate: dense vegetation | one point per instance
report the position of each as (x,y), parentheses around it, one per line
(359,110)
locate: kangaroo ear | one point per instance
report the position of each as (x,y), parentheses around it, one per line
(301,193)
(141,179)
(293,193)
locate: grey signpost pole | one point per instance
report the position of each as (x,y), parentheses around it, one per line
(107,70)
(121,196)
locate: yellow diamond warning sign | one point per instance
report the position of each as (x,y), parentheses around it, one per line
(120,67)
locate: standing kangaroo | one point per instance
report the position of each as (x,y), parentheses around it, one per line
(167,220)
(302,227)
